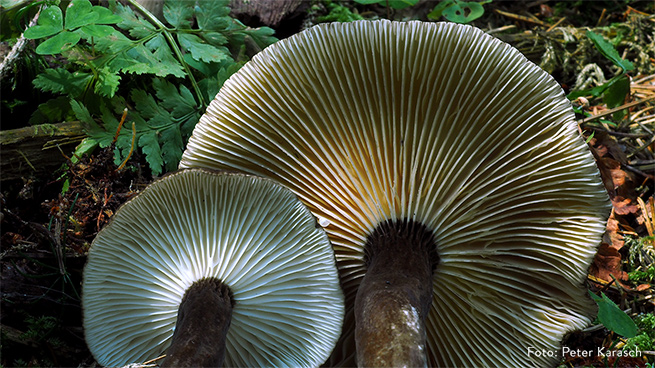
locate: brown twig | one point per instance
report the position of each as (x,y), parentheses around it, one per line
(522,18)
(639,172)
(612,111)
(618,134)
(556,24)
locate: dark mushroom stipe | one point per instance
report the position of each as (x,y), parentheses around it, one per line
(395,295)
(202,322)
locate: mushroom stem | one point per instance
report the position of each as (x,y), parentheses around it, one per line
(202,323)
(395,295)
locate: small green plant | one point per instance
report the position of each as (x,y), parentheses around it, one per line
(114,58)
(612,317)
(394,4)
(338,13)
(639,276)
(614,91)
(39,328)
(641,254)
(42,333)
(645,340)
(453,10)
(458,11)
(82,20)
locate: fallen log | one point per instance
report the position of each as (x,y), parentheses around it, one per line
(37,150)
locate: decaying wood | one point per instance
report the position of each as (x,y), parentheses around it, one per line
(35,150)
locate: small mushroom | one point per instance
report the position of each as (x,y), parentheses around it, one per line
(222,267)
(462,204)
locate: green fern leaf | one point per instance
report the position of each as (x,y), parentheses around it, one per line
(149,144)
(215,38)
(62,81)
(82,114)
(155,57)
(106,16)
(180,103)
(167,65)
(136,26)
(108,82)
(178,14)
(110,124)
(212,15)
(201,51)
(145,104)
(262,36)
(54,110)
(172,146)
(216,74)
(102,134)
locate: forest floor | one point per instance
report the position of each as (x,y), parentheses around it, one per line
(46,231)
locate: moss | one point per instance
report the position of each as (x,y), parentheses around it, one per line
(645,340)
(338,13)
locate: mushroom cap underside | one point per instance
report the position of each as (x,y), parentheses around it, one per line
(250,233)
(436,123)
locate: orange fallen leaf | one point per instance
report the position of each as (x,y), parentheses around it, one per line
(607,262)
(642,287)
(624,206)
(612,236)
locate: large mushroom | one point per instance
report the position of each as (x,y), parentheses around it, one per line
(241,258)
(462,204)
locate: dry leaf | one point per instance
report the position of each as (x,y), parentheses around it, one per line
(642,287)
(624,206)
(611,236)
(607,262)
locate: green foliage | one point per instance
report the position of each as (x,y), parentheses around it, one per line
(82,20)
(453,10)
(43,334)
(608,50)
(458,11)
(12,12)
(162,123)
(646,276)
(394,4)
(39,328)
(165,74)
(338,13)
(645,340)
(612,317)
(614,91)
(641,253)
